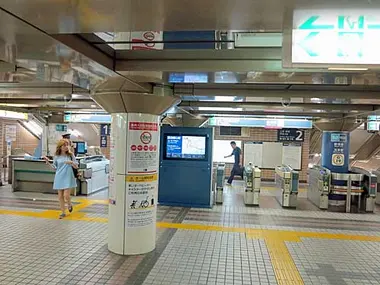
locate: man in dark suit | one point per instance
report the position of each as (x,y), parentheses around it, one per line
(237,169)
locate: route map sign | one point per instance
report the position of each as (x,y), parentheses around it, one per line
(336,37)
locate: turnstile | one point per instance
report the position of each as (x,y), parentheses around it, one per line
(319,186)
(219,183)
(377,199)
(369,186)
(252,184)
(287,180)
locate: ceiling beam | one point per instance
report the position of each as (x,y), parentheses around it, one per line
(35,88)
(278,91)
(262,113)
(277,105)
(80,45)
(236,60)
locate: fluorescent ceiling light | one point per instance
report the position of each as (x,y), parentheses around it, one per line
(219,109)
(348,68)
(13,115)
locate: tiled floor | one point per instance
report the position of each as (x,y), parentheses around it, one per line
(229,244)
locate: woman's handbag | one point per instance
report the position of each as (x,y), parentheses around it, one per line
(75,171)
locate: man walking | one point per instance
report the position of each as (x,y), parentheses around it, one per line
(238,157)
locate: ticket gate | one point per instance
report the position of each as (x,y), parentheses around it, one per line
(319,186)
(252,185)
(287,180)
(219,183)
(369,186)
(377,199)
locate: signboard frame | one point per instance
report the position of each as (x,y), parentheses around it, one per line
(290,135)
(287,49)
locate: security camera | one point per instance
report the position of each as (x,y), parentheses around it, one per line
(285,102)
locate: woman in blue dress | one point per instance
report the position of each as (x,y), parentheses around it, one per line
(64,180)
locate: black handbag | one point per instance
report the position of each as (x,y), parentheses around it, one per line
(75,171)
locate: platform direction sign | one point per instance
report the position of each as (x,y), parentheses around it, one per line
(105,129)
(336,38)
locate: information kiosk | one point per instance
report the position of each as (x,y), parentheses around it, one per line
(186,167)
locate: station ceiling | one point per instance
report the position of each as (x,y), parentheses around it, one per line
(53,55)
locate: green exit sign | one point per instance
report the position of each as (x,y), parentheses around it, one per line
(61,128)
(344,36)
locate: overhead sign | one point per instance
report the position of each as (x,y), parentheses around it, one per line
(336,37)
(105,129)
(103,141)
(260,123)
(88,118)
(290,135)
(61,128)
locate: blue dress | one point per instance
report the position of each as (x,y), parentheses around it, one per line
(64,174)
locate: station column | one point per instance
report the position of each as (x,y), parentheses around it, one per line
(336,151)
(134,162)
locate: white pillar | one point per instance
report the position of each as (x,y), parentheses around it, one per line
(133,183)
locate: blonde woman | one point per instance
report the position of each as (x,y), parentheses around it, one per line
(64,164)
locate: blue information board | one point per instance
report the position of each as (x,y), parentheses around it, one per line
(189,40)
(105,129)
(103,141)
(185,182)
(336,151)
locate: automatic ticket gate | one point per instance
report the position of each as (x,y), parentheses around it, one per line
(252,185)
(219,183)
(377,199)
(319,186)
(287,180)
(369,186)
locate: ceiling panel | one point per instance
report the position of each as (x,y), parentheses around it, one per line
(84,16)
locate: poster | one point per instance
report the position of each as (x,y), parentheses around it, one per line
(142,170)
(143,138)
(10,133)
(141,194)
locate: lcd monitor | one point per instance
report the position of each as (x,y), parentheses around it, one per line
(185,147)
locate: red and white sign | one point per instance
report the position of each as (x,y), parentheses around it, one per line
(143,126)
(148,40)
(143,133)
(146,137)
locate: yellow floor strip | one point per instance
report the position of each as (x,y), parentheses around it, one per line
(283,265)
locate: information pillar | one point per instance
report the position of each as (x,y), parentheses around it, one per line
(336,151)
(133,184)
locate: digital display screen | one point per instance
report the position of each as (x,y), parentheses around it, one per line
(373,126)
(338,137)
(188,77)
(81,148)
(185,147)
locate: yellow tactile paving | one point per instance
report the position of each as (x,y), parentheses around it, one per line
(283,265)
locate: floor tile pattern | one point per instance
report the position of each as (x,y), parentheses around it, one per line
(214,246)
